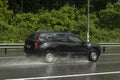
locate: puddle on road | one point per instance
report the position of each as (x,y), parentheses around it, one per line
(20,61)
(71,60)
(23,61)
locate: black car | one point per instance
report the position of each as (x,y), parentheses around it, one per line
(49,44)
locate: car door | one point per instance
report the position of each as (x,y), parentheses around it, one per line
(77,45)
(62,42)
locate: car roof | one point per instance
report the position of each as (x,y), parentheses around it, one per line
(50,31)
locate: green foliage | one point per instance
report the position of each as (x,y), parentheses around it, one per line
(104,27)
(5,19)
(110,17)
(109,23)
(67,18)
(34,5)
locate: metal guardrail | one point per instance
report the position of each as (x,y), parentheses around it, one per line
(104,45)
(21,46)
(110,44)
(11,46)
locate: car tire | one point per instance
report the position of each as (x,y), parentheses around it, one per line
(50,57)
(93,55)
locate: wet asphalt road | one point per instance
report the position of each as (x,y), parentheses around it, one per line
(106,68)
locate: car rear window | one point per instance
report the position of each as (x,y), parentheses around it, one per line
(33,36)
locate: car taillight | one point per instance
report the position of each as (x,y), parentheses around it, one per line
(37,43)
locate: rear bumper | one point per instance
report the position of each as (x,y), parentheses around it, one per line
(33,51)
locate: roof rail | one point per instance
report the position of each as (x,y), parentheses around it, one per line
(52,31)
(44,31)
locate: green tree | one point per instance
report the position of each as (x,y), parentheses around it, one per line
(110,17)
(5,20)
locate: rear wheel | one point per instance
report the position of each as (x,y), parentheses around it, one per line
(93,55)
(50,57)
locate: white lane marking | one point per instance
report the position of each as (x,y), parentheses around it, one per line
(68,76)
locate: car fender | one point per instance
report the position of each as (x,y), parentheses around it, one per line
(95,46)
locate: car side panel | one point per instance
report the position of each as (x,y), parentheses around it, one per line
(58,47)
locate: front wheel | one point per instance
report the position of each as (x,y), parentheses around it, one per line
(50,57)
(93,55)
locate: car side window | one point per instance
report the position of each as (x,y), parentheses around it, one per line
(61,37)
(48,37)
(74,39)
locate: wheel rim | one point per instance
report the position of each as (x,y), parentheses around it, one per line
(50,57)
(93,56)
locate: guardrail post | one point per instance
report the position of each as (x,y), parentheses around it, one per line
(103,49)
(5,51)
